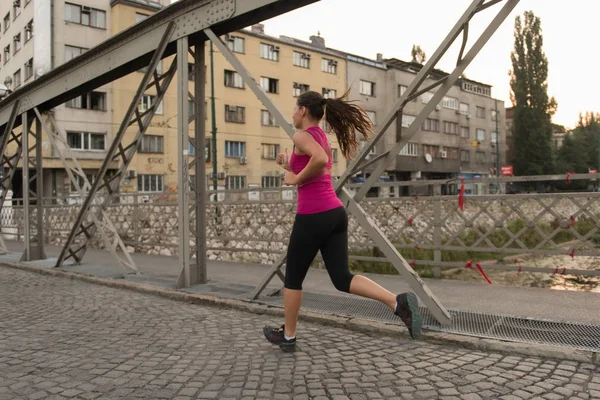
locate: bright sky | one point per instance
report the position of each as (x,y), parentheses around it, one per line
(391,27)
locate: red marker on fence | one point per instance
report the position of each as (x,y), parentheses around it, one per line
(412,264)
(469,265)
(461,195)
(563,272)
(410,221)
(572,253)
(519,271)
(572,221)
(568,180)
(555,271)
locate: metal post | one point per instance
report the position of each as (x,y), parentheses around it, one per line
(201,185)
(185,279)
(213,120)
(8,163)
(497,141)
(437,229)
(39,190)
(26,213)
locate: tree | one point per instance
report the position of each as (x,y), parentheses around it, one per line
(418,55)
(533,109)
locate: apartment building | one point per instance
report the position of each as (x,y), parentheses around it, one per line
(458,139)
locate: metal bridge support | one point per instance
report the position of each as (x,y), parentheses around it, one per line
(32,157)
(112,241)
(193,272)
(83,230)
(415,89)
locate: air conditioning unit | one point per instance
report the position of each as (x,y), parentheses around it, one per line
(457,112)
(443,154)
(438,107)
(17,38)
(233,108)
(333,62)
(243,160)
(131,174)
(28,28)
(275,48)
(307,56)
(220,175)
(17,3)
(468,116)
(296,85)
(29,63)
(86,9)
(229,38)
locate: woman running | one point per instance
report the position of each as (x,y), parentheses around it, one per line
(321,221)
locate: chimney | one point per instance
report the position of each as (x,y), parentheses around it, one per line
(258,28)
(379,57)
(318,41)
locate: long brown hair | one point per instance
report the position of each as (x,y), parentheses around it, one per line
(344,118)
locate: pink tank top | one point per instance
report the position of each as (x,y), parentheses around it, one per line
(317,194)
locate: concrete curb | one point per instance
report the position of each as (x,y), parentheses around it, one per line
(355,324)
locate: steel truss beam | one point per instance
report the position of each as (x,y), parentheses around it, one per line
(112,241)
(367,223)
(351,202)
(132,49)
(9,162)
(32,157)
(83,230)
(192,273)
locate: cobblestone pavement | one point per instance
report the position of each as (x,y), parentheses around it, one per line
(70,339)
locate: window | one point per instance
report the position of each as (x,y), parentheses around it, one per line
(235,149)
(465,155)
(364,143)
(450,102)
(480,112)
(301,59)
(426,97)
(191,71)
(151,183)
(28,31)
(464,109)
(329,93)
(91,101)
(147,102)
(152,144)
(269,52)
(480,134)
(86,141)
(471,87)
(402,89)
(17,78)
(494,158)
(432,125)
(464,132)
(233,79)
(7,22)
(6,53)
(410,149)
(480,156)
(235,114)
(139,17)
(407,120)
(270,151)
(91,178)
(451,127)
(300,88)
(16,8)
(85,15)
(266,119)
(269,85)
(325,126)
(235,182)
(235,43)
(434,151)
(29,69)
(371,115)
(270,181)
(71,52)
(159,69)
(494,115)
(329,66)
(367,88)
(451,153)
(17,42)
(334,155)
(494,137)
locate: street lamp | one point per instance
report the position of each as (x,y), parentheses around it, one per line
(4,91)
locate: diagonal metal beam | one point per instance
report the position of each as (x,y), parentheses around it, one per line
(58,140)
(5,182)
(415,282)
(437,97)
(117,150)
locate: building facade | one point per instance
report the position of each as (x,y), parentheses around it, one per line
(458,139)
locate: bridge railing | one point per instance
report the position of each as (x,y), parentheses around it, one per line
(496,224)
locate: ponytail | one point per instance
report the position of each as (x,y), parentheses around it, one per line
(344,118)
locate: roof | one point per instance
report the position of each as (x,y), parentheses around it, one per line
(152,5)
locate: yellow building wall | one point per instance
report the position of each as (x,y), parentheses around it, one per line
(251,132)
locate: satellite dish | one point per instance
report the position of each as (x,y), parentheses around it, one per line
(428,157)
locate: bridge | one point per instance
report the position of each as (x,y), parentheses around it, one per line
(438,225)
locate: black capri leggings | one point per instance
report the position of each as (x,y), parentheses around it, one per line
(326,231)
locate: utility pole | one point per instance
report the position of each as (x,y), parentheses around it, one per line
(214,120)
